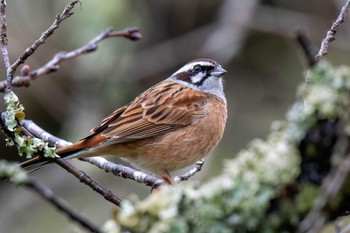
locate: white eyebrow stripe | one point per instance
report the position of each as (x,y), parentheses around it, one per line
(191,65)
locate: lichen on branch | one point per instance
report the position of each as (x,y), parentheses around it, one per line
(261,189)
(27,145)
(13,172)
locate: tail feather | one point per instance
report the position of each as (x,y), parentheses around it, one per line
(34,164)
(70,151)
(67,152)
(37,163)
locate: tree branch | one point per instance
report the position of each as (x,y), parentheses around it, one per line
(38,132)
(4,43)
(53,65)
(332,31)
(14,174)
(67,12)
(197,167)
(123,171)
(61,205)
(91,46)
(82,176)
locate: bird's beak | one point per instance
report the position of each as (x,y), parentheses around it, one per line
(218,72)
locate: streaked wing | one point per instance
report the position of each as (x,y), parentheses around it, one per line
(163,108)
(105,122)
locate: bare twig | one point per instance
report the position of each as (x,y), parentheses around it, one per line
(91,46)
(67,12)
(38,132)
(53,64)
(84,178)
(335,180)
(61,205)
(141,177)
(197,167)
(332,31)
(4,43)
(123,171)
(12,173)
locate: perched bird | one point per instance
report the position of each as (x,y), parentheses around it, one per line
(168,127)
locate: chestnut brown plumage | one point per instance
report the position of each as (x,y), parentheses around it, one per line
(169,126)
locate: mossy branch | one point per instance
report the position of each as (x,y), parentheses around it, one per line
(268,187)
(27,145)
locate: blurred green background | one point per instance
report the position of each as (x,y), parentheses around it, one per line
(253,40)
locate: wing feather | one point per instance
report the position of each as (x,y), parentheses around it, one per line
(150,115)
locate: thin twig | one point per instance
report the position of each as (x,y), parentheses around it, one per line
(4,44)
(317,217)
(38,132)
(123,171)
(12,173)
(67,12)
(141,177)
(84,178)
(91,46)
(332,31)
(53,65)
(197,167)
(61,205)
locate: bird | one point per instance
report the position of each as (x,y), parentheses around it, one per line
(168,127)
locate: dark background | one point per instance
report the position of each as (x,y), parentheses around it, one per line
(253,40)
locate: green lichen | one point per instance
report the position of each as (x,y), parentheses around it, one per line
(27,146)
(13,172)
(238,200)
(235,201)
(14,111)
(325,96)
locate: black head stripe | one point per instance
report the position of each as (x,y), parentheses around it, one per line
(187,77)
(200,83)
(198,72)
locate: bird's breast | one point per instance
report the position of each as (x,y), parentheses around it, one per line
(182,147)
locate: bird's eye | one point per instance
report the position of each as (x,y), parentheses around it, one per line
(197,68)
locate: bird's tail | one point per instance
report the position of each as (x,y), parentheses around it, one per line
(39,162)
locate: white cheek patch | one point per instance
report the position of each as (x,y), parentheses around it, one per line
(197,79)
